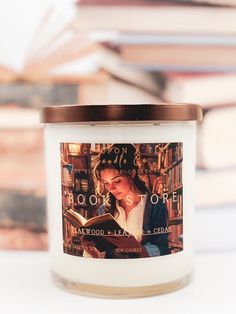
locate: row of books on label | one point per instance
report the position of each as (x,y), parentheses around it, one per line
(166,154)
(78,162)
(172,179)
(81,185)
(84,212)
(151,165)
(173,154)
(68,229)
(175,205)
(71,177)
(66,174)
(175,237)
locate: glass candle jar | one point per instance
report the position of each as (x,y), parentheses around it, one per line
(120,197)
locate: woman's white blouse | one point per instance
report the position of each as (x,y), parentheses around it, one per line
(134,222)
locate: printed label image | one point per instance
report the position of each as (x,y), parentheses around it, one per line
(122,200)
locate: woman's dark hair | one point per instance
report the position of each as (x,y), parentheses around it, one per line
(125,159)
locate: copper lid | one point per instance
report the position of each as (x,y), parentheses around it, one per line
(121,113)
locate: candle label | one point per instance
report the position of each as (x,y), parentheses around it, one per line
(122,200)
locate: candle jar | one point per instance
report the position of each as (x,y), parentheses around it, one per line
(120,197)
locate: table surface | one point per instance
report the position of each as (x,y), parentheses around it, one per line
(26,287)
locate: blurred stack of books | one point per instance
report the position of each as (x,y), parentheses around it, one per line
(182,52)
(22,188)
(23,90)
(127,51)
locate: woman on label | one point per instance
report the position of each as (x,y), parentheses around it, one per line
(129,201)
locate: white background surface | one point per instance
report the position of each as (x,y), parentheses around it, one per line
(26,287)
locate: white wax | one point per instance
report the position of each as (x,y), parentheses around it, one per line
(119,272)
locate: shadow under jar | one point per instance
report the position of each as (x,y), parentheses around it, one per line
(120,197)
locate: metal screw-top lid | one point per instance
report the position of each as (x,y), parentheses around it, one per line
(121,113)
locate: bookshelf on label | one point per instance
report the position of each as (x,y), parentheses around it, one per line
(163,163)
(161,169)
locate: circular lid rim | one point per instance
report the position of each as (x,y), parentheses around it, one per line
(121,112)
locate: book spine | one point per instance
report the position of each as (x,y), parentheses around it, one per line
(117,3)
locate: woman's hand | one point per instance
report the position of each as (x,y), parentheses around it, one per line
(89,247)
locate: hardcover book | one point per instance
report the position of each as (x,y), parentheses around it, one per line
(106,233)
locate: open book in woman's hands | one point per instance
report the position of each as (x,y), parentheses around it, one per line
(106,234)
